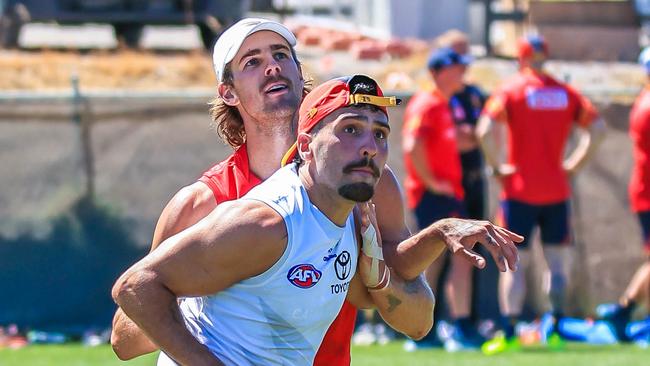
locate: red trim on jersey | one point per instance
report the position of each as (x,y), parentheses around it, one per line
(428,120)
(335,349)
(539,112)
(232,179)
(639,188)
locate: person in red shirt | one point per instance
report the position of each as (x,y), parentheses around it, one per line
(260,86)
(533,115)
(434,185)
(638,290)
(466,107)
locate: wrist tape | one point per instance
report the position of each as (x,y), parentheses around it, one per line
(370,247)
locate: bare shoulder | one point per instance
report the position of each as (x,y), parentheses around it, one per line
(245,225)
(388,184)
(250,214)
(241,232)
(197,197)
(187,207)
(388,198)
(238,240)
(389,208)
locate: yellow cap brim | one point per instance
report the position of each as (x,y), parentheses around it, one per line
(290,154)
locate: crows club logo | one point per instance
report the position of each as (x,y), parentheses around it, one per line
(304,275)
(343,265)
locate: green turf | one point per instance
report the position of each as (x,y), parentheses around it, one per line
(392,354)
(69,355)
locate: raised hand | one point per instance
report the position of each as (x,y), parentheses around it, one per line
(460,236)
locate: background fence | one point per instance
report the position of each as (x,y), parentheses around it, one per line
(84,180)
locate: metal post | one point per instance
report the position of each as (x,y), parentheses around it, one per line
(487,6)
(80,118)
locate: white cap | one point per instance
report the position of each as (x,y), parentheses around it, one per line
(231,40)
(644,59)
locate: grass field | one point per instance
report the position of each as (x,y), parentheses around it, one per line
(392,354)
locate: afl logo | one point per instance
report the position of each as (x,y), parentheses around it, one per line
(343,265)
(304,275)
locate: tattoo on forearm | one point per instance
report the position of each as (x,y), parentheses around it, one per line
(411,287)
(393,302)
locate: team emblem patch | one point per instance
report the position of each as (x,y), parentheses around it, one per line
(343,265)
(304,275)
(547,98)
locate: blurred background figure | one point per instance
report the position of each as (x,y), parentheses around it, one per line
(434,186)
(371,329)
(466,106)
(537,114)
(637,292)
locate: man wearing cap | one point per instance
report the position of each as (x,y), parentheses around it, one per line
(638,290)
(269,272)
(256,68)
(260,86)
(434,180)
(538,114)
(466,106)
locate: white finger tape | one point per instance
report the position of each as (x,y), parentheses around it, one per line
(370,247)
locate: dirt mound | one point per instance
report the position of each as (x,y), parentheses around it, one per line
(155,71)
(52,70)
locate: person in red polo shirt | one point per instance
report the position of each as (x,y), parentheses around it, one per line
(638,290)
(434,183)
(533,115)
(260,86)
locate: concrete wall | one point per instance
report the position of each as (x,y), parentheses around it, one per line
(423,19)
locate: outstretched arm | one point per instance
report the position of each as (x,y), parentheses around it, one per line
(409,255)
(187,207)
(236,241)
(460,236)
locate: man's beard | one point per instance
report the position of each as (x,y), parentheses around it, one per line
(285,107)
(357,192)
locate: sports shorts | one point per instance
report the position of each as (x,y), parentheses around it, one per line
(552,219)
(433,207)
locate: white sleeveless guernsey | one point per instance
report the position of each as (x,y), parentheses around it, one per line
(280,317)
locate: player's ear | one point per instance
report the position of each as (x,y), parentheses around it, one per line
(228,94)
(304,146)
(302,76)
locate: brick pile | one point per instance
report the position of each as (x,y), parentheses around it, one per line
(361,47)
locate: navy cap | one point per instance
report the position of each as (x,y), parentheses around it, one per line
(444,57)
(644,59)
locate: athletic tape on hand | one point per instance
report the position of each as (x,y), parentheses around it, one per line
(370,247)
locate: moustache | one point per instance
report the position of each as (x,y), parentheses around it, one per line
(365,162)
(274,79)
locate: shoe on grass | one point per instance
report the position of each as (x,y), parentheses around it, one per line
(500,344)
